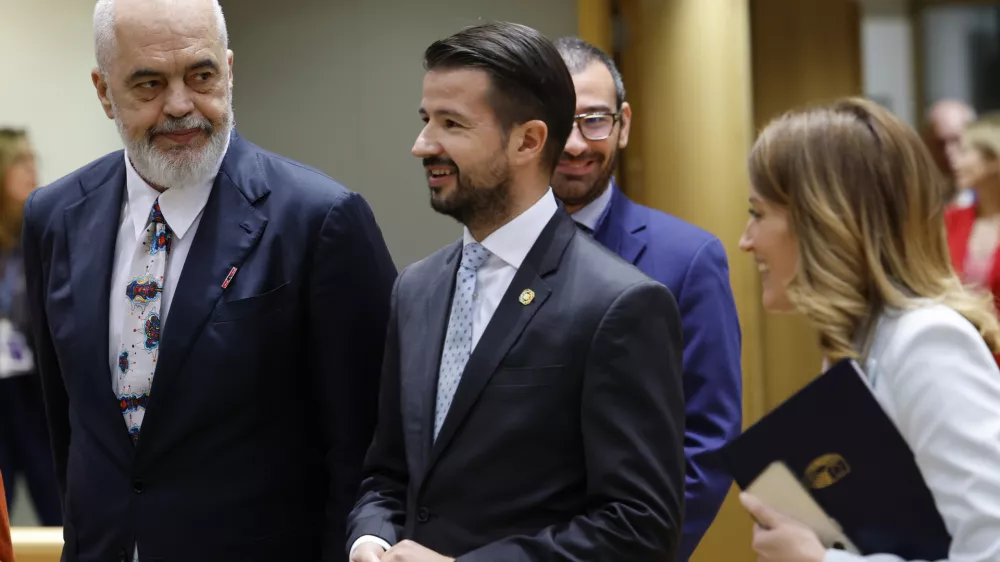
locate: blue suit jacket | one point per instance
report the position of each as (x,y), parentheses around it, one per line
(692,264)
(263,401)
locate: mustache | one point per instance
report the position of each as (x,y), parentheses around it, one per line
(439,161)
(581,157)
(182,124)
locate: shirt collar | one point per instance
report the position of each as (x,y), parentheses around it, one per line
(592,212)
(512,241)
(180,205)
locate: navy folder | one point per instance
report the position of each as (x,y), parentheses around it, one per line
(834,435)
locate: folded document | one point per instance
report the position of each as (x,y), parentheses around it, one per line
(836,441)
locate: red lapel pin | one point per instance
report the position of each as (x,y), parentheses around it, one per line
(232,273)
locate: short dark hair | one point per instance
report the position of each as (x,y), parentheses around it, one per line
(579,54)
(528,77)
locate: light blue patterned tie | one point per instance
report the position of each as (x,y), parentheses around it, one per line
(458,341)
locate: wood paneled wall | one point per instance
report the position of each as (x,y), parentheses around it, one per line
(802,53)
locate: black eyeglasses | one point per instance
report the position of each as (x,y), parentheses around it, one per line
(596,126)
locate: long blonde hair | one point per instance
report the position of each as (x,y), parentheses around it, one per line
(866,202)
(984,135)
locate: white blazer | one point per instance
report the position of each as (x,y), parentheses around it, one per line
(937,380)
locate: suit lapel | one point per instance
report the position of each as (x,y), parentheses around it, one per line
(91,229)
(434,321)
(230,228)
(619,229)
(506,325)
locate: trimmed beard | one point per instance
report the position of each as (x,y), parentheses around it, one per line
(181,166)
(477,201)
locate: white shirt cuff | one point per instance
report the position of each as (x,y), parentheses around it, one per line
(368,538)
(834,555)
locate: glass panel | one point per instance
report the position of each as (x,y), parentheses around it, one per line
(961,53)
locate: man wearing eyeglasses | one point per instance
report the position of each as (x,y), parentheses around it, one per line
(688,260)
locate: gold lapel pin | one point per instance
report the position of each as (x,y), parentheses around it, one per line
(526,297)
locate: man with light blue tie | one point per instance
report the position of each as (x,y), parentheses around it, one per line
(531,405)
(691,262)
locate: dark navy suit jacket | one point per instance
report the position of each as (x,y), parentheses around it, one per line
(692,264)
(263,401)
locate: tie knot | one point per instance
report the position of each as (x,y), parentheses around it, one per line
(156,215)
(474,256)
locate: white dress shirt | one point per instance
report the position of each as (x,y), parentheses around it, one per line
(936,379)
(966,198)
(590,214)
(182,208)
(508,246)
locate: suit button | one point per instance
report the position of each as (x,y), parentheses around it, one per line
(138,485)
(423,514)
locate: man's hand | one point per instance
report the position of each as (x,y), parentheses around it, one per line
(409,551)
(368,552)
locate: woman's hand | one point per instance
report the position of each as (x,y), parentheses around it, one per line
(779,538)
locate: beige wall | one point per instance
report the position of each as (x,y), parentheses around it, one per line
(46,56)
(337,85)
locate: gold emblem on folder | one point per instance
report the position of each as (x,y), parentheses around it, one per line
(826,471)
(526,297)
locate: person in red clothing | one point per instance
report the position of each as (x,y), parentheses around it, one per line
(974,231)
(6,547)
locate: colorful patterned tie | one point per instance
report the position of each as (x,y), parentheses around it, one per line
(140,337)
(458,341)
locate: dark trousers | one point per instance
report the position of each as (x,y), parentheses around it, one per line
(24,446)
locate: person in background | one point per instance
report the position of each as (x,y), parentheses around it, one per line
(531,405)
(974,231)
(691,262)
(942,132)
(847,228)
(24,438)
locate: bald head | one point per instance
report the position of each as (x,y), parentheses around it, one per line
(950,115)
(946,120)
(113,18)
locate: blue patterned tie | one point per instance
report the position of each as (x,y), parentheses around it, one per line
(458,341)
(140,337)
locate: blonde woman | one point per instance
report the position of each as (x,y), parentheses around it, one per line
(847,226)
(974,231)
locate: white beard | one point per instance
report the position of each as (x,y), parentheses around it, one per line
(181,166)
